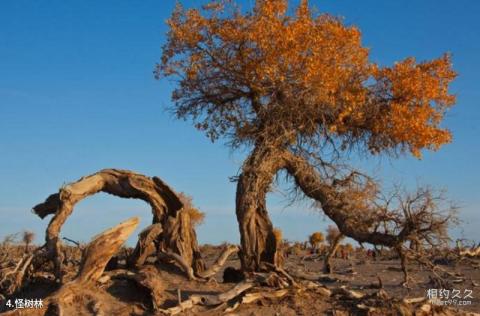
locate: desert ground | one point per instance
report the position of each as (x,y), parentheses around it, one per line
(116,293)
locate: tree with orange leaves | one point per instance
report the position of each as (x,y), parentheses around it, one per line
(298,91)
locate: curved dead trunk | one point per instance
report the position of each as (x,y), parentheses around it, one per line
(178,236)
(256,230)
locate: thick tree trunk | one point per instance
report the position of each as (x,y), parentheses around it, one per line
(256,230)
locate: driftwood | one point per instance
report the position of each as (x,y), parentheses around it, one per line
(178,234)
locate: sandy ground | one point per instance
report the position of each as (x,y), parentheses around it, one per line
(124,297)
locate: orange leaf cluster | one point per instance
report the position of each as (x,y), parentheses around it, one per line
(266,75)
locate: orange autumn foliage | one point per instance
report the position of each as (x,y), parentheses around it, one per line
(299,80)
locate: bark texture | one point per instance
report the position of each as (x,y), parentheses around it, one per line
(336,204)
(146,245)
(257,239)
(256,229)
(178,234)
(102,248)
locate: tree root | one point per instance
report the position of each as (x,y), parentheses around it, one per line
(201,275)
(213,269)
(180,261)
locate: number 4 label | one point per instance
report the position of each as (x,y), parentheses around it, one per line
(9,303)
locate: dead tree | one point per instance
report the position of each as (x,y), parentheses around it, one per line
(177,236)
(94,260)
(334,236)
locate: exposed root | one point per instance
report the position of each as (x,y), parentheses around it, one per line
(213,269)
(180,261)
(255,296)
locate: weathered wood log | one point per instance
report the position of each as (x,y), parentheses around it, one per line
(238,289)
(179,237)
(165,203)
(95,258)
(102,248)
(183,306)
(252,297)
(180,261)
(146,245)
(325,278)
(214,268)
(473,252)
(209,300)
(350,294)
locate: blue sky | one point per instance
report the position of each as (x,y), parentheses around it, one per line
(77,95)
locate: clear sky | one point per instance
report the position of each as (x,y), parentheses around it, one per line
(77,95)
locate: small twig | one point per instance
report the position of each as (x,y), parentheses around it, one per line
(72,241)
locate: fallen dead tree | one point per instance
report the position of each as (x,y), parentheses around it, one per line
(95,258)
(83,292)
(171,236)
(210,300)
(167,210)
(11,277)
(472,252)
(83,289)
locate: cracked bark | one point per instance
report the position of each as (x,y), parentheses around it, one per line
(256,229)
